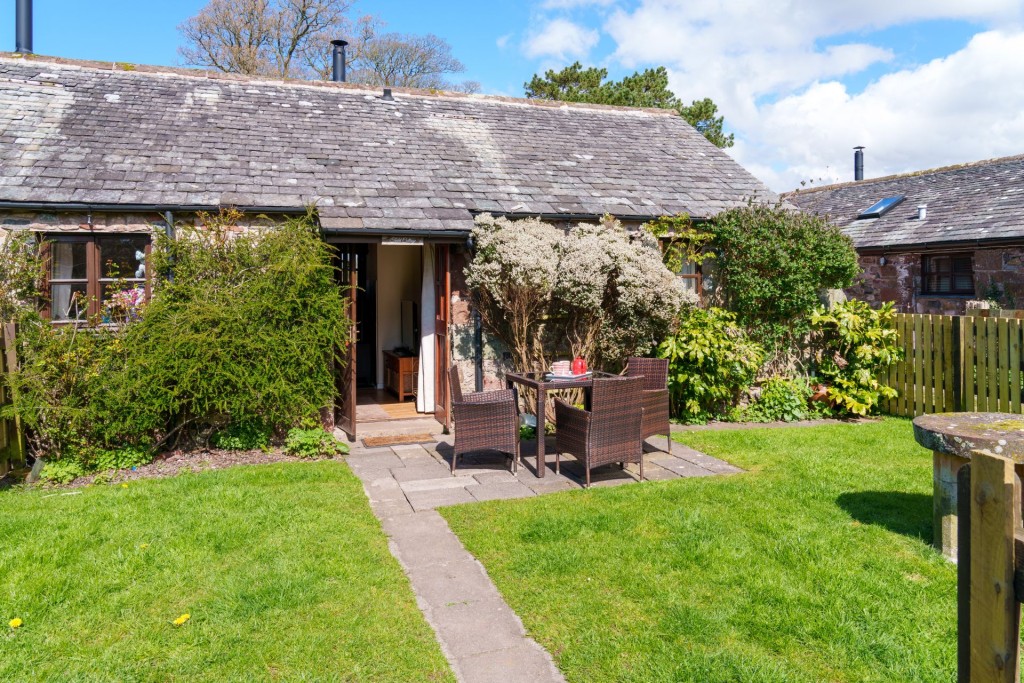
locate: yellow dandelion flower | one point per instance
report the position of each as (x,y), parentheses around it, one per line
(124,486)
(182,619)
(15,623)
(144,546)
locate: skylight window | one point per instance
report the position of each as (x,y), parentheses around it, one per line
(880,208)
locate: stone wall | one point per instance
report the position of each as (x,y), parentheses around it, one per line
(999,271)
(495,359)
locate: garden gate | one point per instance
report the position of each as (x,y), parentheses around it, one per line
(956,364)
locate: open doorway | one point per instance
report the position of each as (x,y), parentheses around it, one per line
(399,300)
(397,338)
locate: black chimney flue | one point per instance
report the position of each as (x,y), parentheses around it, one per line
(858,163)
(23,26)
(338,72)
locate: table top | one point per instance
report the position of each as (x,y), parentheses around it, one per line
(536,380)
(960,433)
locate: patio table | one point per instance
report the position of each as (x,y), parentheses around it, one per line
(951,437)
(536,381)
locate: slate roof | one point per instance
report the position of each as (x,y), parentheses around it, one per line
(101,133)
(981,201)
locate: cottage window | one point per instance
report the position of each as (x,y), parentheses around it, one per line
(94,276)
(948,274)
(690,275)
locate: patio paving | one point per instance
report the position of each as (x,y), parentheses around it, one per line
(480,635)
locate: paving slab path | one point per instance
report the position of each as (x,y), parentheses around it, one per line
(483,639)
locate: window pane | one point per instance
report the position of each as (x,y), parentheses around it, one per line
(963,282)
(689,284)
(688,268)
(123,256)
(68,302)
(68,260)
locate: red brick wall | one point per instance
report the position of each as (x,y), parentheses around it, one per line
(899,281)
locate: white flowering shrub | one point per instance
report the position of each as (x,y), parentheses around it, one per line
(512,277)
(595,291)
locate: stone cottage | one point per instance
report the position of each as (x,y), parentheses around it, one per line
(94,157)
(933,240)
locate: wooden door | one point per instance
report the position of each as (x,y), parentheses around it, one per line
(442,351)
(345,372)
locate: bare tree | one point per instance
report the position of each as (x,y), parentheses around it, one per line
(406,61)
(263,37)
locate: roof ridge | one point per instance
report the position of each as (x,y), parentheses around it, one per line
(204,74)
(908,174)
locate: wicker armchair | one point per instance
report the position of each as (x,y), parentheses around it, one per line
(484,421)
(609,432)
(655,395)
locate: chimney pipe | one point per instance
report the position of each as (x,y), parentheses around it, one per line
(23,27)
(858,163)
(338,72)
(387,97)
(922,212)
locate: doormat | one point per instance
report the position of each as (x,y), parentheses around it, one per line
(397,440)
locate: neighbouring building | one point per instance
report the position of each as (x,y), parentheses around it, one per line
(933,240)
(94,157)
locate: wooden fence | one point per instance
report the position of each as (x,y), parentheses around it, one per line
(990,578)
(12,444)
(957,363)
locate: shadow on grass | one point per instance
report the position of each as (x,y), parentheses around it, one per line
(909,514)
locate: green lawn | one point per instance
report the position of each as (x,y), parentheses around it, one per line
(283,568)
(812,566)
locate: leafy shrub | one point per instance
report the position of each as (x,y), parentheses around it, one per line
(61,371)
(242,329)
(119,458)
(313,443)
(855,344)
(242,436)
(781,400)
(711,361)
(770,267)
(21,273)
(62,471)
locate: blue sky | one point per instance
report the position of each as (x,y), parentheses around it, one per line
(921,83)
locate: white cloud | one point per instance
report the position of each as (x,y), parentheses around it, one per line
(964,107)
(775,69)
(502,41)
(561,39)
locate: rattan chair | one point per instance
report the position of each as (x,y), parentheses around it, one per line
(484,421)
(609,432)
(655,395)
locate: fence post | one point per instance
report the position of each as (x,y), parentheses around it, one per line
(963,575)
(958,365)
(994,619)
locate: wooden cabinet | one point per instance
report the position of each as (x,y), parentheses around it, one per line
(400,374)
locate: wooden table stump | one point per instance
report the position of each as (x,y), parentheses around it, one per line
(951,437)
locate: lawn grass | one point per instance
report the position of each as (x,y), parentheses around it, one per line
(283,568)
(814,565)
